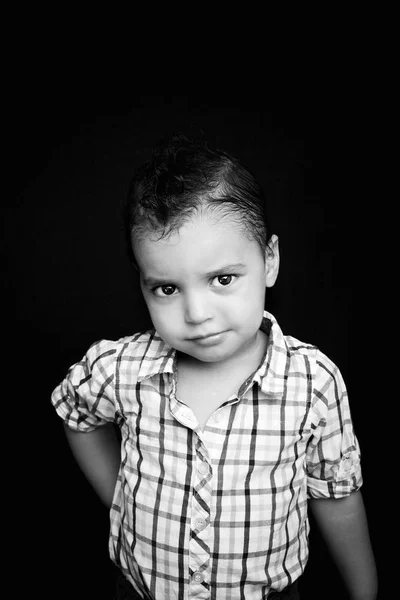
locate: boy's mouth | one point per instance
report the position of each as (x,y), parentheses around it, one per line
(209,339)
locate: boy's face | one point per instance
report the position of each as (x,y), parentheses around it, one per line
(204,287)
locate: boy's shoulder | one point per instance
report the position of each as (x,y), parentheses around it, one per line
(137,343)
(284,344)
(308,357)
(297,347)
(142,353)
(289,343)
(298,351)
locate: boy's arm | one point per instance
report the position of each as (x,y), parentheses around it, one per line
(98,455)
(343,526)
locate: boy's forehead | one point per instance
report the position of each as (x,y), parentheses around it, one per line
(200,245)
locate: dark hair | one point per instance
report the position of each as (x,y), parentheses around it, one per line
(186,175)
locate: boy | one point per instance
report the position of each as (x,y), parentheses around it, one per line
(229,429)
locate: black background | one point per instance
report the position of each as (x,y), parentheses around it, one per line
(68,282)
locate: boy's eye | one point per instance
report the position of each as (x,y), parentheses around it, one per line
(170,290)
(164,290)
(224,280)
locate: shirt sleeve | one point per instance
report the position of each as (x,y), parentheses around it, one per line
(85,398)
(333,455)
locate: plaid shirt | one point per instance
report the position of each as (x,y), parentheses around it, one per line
(219,513)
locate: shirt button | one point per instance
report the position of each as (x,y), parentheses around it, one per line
(200,523)
(197,577)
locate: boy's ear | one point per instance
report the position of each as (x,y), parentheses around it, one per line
(271,261)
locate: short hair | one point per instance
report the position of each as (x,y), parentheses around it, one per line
(184,176)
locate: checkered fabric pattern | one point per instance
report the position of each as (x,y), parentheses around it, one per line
(219,513)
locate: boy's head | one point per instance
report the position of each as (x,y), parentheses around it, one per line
(184,177)
(195,220)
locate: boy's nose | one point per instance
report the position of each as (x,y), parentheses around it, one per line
(197,309)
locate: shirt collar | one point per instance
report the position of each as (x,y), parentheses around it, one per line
(158,357)
(271,374)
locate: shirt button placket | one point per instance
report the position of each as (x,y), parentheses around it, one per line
(198,546)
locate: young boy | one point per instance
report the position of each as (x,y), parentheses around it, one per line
(229,429)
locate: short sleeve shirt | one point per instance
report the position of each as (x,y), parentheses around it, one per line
(218,512)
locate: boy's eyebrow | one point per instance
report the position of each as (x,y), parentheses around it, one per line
(226,269)
(155,281)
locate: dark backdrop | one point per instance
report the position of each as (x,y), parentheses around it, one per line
(69,283)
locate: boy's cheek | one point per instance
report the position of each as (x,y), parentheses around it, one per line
(162,314)
(153,303)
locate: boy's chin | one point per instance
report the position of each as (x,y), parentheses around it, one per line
(204,355)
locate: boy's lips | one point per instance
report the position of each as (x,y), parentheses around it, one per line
(208,339)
